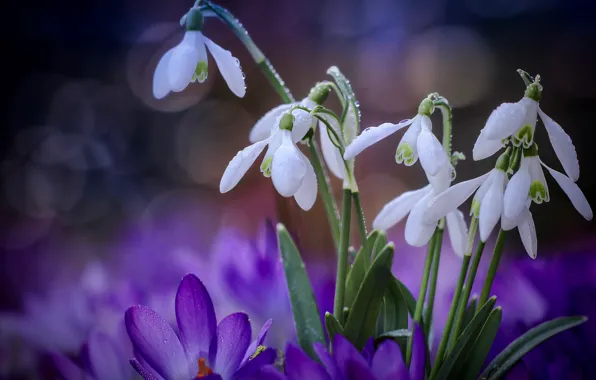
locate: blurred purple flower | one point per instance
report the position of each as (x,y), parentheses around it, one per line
(202,348)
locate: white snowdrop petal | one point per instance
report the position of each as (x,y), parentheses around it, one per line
(262,129)
(397,209)
(307,193)
(442,180)
(516,192)
(491,206)
(509,224)
(458,232)
(407,149)
(229,67)
(562,145)
(331,153)
(240,164)
(484,148)
(431,153)
(453,197)
(538,186)
(417,232)
(161,83)
(302,122)
(287,168)
(527,233)
(182,65)
(505,120)
(371,136)
(576,196)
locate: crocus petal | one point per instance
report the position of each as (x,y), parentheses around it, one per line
(146,373)
(161,83)
(458,232)
(516,193)
(270,372)
(452,198)
(387,363)
(352,364)
(262,129)
(527,233)
(251,369)
(240,164)
(287,168)
(418,354)
(183,61)
(106,359)
(432,155)
(329,363)
(484,148)
(574,193)
(228,66)
(154,339)
(505,120)
(397,209)
(229,344)
(491,206)
(195,317)
(371,136)
(562,145)
(418,232)
(299,366)
(67,368)
(331,153)
(307,193)
(257,342)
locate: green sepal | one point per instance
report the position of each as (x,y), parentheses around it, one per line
(307,322)
(525,343)
(358,269)
(194,20)
(477,356)
(333,326)
(456,358)
(361,321)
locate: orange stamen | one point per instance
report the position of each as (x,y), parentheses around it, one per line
(204,369)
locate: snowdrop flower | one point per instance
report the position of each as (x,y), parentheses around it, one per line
(417,142)
(187,62)
(518,122)
(529,184)
(414,204)
(289,169)
(487,203)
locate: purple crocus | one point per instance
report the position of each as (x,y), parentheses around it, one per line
(202,349)
(346,363)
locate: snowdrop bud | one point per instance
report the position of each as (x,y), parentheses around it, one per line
(534,90)
(426,107)
(286,122)
(194,20)
(503,161)
(319,93)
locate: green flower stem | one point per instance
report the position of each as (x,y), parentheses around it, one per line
(492,269)
(342,256)
(326,196)
(442,104)
(361,220)
(456,296)
(463,302)
(434,275)
(422,293)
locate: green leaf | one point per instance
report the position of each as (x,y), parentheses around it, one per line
(456,358)
(394,312)
(358,269)
(477,356)
(399,336)
(304,307)
(525,343)
(379,245)
(470,311)
(363,315)
(333,326)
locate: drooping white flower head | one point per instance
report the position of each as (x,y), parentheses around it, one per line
(187,62)
(529,184)
(417,143)
(517,121)
(289,169)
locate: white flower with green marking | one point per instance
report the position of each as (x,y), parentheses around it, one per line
(289,169)
(517,122)
(186,62)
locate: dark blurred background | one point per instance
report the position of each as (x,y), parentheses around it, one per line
(87,151)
